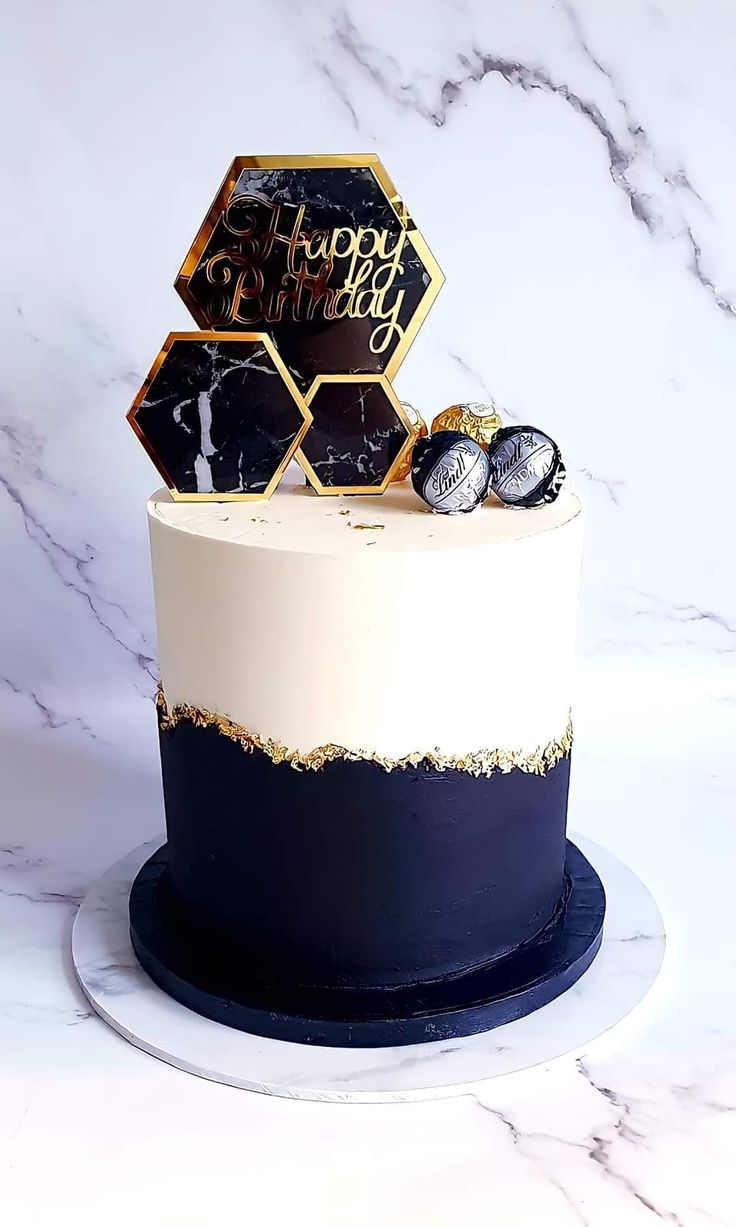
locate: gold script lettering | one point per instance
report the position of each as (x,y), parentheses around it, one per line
(340,273)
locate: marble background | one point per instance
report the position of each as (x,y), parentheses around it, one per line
(572,166)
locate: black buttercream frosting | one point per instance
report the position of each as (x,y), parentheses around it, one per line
(353,875)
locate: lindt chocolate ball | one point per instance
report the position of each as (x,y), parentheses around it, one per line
(478,421)
(419,427)
(526,467)
(450,472)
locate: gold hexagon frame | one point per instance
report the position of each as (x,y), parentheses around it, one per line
(370,161)
(401,414)
(209,335)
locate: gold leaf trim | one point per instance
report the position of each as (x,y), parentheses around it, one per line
(479,762)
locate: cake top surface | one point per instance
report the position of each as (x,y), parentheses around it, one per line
(295,519)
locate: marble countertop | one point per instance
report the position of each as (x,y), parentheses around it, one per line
(643,1127)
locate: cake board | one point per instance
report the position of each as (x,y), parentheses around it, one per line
(117,987)
(220,982)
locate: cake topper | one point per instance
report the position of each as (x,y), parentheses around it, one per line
(316,260)
(219,415)
(360,434)
(310,281)
(321,253)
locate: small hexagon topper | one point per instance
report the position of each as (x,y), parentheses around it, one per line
(321,253)
(219,415)
(359,437)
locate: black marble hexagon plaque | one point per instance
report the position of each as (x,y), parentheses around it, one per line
(319,252)
(359,436)
(219,415)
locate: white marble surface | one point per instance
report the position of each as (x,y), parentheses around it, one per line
(594,144)
(115,984)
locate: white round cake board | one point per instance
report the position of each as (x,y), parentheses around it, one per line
(120,991)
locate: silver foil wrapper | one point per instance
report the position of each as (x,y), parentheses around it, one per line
(450,472)
(526,467)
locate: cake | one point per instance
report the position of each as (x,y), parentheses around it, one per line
(364,708)
(365,732)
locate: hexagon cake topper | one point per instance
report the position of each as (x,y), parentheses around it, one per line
(219,415)
(321,253)
(359,437)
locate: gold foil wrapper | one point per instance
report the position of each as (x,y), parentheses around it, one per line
(478,421)
(419,427)
(478,762)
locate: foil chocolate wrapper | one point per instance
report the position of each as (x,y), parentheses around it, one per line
(478,421)
(526,467)
(450,471)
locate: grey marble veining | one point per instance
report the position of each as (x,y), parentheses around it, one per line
(355,436)
(219,416)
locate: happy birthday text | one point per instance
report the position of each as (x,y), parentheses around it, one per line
(333,274)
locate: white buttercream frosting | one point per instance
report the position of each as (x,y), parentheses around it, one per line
(370,623)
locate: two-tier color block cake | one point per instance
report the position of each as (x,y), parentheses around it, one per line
(365,740)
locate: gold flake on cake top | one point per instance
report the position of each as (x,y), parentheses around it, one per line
(477,762)
(478,421)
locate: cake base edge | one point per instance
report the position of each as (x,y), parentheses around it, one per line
(481,1000)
